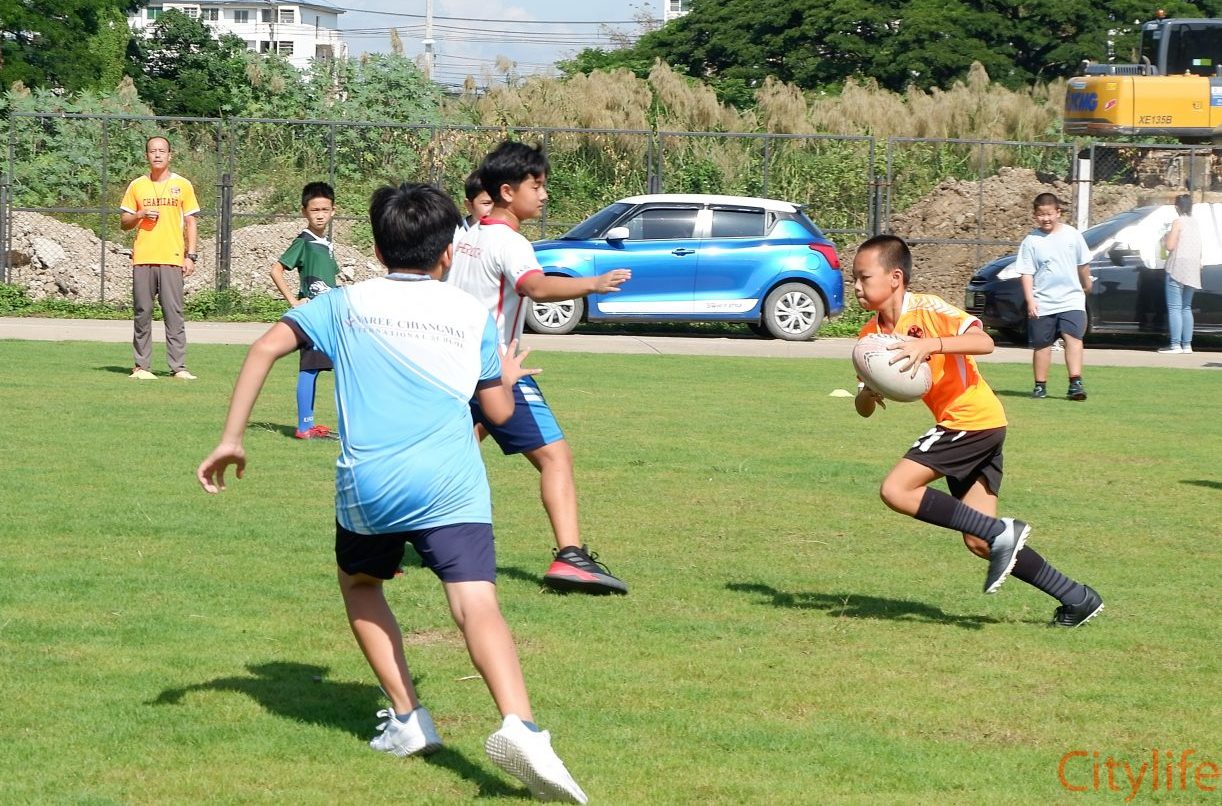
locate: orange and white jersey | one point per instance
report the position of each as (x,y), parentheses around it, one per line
(959,398)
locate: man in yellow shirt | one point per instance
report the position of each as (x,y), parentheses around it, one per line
(162,205)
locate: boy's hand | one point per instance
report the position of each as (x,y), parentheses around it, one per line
(211,471)
(912,353)
(611,281)
(866,401)
(512,370)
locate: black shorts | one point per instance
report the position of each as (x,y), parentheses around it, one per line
(314,360)
(460,552)
(1043,330)
(962,457)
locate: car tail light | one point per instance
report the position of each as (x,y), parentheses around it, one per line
(828,251)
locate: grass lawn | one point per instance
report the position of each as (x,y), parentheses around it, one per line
(787,638)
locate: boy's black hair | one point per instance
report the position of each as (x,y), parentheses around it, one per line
(1183,204)
(893,253)
(472,186)
(412,224)
(1047,200)
(511,163)
(316,190)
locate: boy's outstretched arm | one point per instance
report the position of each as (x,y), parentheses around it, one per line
(277,342)
(542,288)
(497,401)
(282,286)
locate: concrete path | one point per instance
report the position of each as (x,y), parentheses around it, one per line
(244,333)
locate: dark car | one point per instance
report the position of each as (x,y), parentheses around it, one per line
(1127,294)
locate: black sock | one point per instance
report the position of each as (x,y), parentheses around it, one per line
(943,510)
(1073,378)
(1033,569)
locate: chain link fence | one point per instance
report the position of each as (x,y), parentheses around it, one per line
(959,202)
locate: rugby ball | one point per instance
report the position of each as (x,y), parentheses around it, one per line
(871,359)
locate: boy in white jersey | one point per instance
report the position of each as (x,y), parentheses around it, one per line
(409,352)
(497,265)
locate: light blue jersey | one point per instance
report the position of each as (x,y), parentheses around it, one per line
(408,353)
(1053,259)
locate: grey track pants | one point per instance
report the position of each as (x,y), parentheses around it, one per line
(165,282)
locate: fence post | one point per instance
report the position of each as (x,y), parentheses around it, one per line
(102,229)
(224,231)
(767,161)
(1082,176)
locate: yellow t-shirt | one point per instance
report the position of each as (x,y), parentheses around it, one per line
(173,198)
(959,398)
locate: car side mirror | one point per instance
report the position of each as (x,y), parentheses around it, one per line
(617,234)
(1123,257)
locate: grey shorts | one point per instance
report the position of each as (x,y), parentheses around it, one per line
(1044,330)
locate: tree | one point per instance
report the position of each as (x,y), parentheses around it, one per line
(818,44)
(180,69)
(40,41)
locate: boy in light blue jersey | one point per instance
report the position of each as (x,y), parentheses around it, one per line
(409,354)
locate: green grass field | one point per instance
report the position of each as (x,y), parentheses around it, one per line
(787,638)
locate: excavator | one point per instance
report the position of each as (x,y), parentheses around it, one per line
(1175,89)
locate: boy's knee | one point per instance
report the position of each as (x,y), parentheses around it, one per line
(976,546)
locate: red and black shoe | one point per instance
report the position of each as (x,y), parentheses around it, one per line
(576,569)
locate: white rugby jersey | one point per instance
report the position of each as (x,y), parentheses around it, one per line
(408,353)
(490,260)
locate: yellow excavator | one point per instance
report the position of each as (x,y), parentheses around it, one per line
(1175,89)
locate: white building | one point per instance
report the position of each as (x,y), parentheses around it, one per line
(673,9)
(300,32)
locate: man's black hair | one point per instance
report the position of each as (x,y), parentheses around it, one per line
(472,187)
(893,253)
(412,224)
(316,190)
(511,163)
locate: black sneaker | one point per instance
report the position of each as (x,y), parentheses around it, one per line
(576,569)
(1075,615)
(1076,390)
(1039,391)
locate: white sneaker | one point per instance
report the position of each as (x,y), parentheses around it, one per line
(1186,349)
(415,735)
(142,374)
(184,375)
(528,756)
(1176,350)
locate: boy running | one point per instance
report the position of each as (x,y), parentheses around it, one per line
(965,445)
(313,257)
(409,353)
(496,264)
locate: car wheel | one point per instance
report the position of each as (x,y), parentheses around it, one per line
(793,312)
(554,318)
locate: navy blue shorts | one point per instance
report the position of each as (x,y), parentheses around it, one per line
(460,552)
(1043,330)
(532,425)
(962,457)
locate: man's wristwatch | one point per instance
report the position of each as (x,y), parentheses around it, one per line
(193,255)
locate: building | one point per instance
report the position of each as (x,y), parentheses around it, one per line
(300,32)
(673,9)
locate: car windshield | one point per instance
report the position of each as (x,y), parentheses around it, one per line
(596,224)
(1096,235)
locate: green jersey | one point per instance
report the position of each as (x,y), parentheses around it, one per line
(313,257)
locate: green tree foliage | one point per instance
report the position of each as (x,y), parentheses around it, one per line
(40,41)
(180,69)
(819,44)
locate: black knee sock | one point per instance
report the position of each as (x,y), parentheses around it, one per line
(1033,569)
(943,510)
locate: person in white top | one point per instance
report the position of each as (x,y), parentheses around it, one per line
(497,265)
(1183,241)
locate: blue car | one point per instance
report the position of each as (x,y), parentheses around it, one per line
(697,258)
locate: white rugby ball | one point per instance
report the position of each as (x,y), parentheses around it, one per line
(871,359)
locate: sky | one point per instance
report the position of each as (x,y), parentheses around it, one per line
(470,35)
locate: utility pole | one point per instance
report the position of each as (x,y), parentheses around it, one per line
(428,39)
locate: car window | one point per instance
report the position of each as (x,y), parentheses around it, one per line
(597,224)
(1096,235)
(662,224)
(731,223)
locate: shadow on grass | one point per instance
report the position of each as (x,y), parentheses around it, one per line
(301,692)
(275,428)
(857,606)
(114,370)
(513,572)
(1208,484)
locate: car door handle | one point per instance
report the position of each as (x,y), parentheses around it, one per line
(681,252)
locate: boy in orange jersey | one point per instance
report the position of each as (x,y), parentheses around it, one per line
(965,444)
